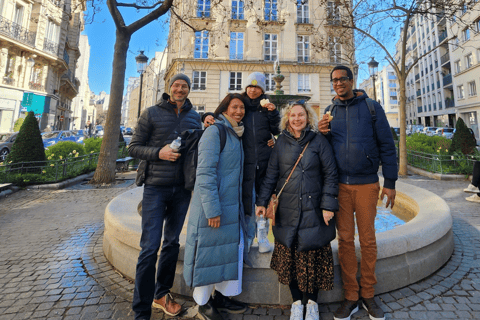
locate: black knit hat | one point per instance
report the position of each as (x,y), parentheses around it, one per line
(180,76)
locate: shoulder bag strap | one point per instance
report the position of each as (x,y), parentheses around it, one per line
(291,172)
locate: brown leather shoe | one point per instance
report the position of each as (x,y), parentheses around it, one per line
(167,305)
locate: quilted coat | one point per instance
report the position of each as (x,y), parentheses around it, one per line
(151,127)
(211,254)
(311,188)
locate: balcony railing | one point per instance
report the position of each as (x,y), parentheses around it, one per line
(69,75)
(17,32)
(8,80)
(66,57)
(445,58)
(440,105)
(50,46)
(35,86)
(419,110)
(419,93)
(417,77)
(447,80)
(449,103)
(434,106)
(442,36)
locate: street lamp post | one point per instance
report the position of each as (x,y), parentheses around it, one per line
(141,67)
(373,68)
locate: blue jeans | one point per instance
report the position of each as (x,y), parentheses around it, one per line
(163,209)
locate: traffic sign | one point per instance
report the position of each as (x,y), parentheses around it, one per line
(61,118)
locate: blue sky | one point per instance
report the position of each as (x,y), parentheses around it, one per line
(101,36)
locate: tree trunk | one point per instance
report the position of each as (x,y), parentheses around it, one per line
(105,172)
(403,137)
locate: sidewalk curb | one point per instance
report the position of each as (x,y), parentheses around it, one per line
(438,176)
(63,184)
(8,192)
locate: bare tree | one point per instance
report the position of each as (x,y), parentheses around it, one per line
(105,172)
(376,23)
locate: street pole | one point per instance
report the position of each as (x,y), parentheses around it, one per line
(140,95)
(374,89)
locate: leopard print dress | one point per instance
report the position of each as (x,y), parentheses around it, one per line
(312,269)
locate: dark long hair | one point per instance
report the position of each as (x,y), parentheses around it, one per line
(223,106)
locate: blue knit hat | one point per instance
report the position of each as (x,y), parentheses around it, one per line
(256,79)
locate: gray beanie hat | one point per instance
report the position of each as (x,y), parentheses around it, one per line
(256,79)
(180,76)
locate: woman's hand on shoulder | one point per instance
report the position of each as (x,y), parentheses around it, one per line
(214,222)
(261,211)
(327,216)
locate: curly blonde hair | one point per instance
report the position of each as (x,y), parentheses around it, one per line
(312,118)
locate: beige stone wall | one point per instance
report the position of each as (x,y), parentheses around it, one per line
(218,66)
(57,77)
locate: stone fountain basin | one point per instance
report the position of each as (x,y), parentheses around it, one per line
(406,254)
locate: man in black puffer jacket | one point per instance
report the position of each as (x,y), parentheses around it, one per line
(165,200)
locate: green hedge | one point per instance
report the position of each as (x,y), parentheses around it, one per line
(64,149)
(93,145)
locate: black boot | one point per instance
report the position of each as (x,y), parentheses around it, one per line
(209,312)
(226,304)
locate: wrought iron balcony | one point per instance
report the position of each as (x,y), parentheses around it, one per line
(8,80)
(66,57)
(50,46)
(17,32)
(442,36)
(445,58)
(447,80)
(36,86)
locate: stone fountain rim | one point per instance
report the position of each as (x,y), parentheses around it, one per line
(431,223)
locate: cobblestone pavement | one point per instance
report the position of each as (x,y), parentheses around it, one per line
(52,265)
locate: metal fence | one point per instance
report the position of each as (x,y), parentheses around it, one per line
(444,164)
(49,171)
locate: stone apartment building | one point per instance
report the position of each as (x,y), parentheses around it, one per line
(39,49)
(386,92)
(133,82)
(442,86)
(82,112)
(236,38)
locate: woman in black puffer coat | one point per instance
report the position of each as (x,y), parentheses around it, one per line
(303,226)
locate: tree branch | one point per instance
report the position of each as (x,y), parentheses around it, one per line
(133,5)
(154,15)
(116,15)
(186,23)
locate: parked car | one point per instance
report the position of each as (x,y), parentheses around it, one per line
(80,135)
(99,131)
(51,138)
(440,131)
(128,131)
(429,131)
(122,129)
(6,143)
(397,131)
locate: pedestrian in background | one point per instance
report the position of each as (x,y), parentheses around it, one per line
(165,199)
(360,140)
(473,187)
(303,227)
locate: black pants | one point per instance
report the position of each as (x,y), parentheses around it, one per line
(476,175)
(297,294)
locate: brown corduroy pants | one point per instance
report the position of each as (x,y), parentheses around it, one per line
(359,201)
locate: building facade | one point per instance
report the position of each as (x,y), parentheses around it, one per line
(442,86)
(464,53)
(133,82)
(237,40)
(80,104)
(39,49)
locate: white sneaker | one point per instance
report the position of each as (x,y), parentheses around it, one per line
(473,198)
(312,311)
(471,188)
(264,245)
(296,312)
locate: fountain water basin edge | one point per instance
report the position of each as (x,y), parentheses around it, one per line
(405,254)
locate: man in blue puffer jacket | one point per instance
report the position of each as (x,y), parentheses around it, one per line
(360,140)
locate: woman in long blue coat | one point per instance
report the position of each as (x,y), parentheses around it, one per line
(214,248)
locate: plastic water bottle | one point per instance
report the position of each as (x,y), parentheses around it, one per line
(175,145)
